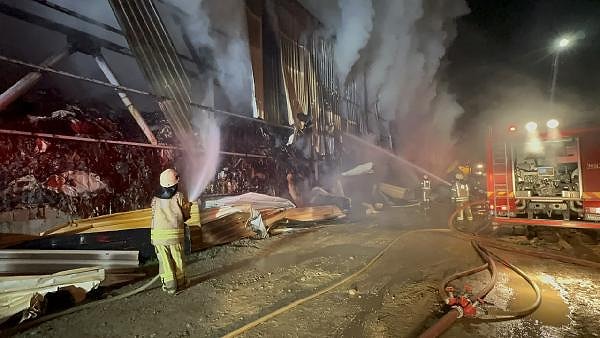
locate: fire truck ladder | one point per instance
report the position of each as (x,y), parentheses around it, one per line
(500,174)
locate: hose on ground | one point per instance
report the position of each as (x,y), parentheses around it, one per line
(297,302)
(29,324)
(493,271)
(447,280)
(520,313)
(446,321)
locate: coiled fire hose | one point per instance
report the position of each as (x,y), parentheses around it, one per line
(456,312)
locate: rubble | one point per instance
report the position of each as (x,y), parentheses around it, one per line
(257,201)
(18,293)
(127,173)
(75,183)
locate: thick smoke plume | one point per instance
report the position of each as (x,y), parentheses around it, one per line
(402,60)
(218,30)
(511,98)
(353,33)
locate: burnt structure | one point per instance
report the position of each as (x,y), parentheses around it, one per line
(295,91)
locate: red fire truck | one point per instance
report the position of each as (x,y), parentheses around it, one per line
(547,177)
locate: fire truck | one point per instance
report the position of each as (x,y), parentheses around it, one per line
(548,177)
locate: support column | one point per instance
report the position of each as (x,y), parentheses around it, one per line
(28,81)
(126,101)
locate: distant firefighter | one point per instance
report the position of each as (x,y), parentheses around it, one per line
(426,192)
(170,209)
(460,195)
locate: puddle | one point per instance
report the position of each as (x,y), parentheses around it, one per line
(553,311)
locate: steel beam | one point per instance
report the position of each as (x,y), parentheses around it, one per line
(125,143)
(125,99)
(28,81)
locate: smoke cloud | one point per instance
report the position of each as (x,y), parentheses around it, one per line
(218,29)
(353,33)
(509,97)
(405,44)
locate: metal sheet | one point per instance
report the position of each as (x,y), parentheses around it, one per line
(19,262)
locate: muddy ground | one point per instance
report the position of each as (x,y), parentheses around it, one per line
(396,297)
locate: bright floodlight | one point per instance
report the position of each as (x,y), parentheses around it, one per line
(531,126)
(552,124)
(564,43)
(479,165)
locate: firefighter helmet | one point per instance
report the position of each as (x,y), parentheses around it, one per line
(169,178)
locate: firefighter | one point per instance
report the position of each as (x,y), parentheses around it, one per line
(426,192)
(170,209)
(460,195)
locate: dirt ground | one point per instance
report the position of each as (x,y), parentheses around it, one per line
(396,297)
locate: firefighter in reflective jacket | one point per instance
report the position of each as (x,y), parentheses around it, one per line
(426,192)
(460,195)
(170,209)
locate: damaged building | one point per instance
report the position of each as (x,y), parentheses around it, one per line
(87,127)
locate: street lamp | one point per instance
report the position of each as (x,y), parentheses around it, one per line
(564,42)
(560,45)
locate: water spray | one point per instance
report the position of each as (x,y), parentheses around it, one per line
(202,158)
(400,159)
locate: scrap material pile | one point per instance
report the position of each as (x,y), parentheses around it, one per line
(82,179)
(26,293)
(86,179)
(224,220)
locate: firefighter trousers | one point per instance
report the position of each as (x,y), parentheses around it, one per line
(171,266)
(464,208)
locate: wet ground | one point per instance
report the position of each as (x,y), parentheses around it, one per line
(396,297)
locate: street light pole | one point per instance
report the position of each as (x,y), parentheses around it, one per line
(554,75)
(561,44)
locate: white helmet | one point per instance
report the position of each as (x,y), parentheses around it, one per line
(169,178)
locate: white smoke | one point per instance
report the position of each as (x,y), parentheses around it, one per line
(402,60)
(352,34)
(220,27)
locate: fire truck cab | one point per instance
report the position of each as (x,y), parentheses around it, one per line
(546,178)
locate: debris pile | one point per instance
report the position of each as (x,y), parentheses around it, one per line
(88,179)
(26,293)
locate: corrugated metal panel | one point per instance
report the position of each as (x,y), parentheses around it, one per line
(158,59)
(18,262)
(256,57)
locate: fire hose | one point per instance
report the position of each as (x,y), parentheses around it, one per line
(465,306)
(446,320)
(451,316)
(28,324)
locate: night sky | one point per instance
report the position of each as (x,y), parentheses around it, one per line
(504,45)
